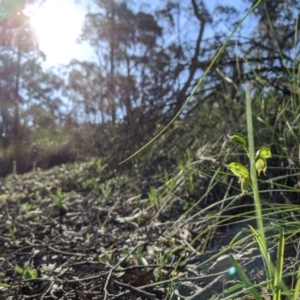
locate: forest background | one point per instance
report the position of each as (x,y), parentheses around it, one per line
(147,59)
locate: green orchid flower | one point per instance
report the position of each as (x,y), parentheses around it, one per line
(241,141)
(243,174)
(239,170)
(261,160)
(245,185)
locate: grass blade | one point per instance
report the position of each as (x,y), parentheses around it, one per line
(297,287)
(245,279)
(264,253)
(278,274)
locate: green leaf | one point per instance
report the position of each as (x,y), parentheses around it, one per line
(264,253)
(244,278)
(4,286)
(19,270)
(279,267)
(30,273)
(297,286)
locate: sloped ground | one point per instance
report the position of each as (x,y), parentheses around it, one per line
(122,247)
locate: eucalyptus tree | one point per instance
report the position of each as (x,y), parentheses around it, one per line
(122,41)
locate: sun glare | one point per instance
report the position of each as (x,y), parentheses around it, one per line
(57,24)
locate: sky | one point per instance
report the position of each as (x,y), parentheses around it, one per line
(58,24)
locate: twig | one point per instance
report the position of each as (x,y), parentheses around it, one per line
(113,268)
(54,249)
(66,253)
(143,267)
(136,290)
(47,290)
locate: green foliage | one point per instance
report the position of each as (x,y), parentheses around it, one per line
(27,207)
(141,261)
(245,279)
(106,190)
(58,198)
(10,224)
(278,280)
(154,198)
(4,286)
(169,182)
(297,286)
(108,256)
(27,272)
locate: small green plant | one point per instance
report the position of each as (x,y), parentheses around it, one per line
(107,256)
(139,258)
(91,183)
(4,286)
(170,183)
(164,259)
(27,207)
(11,230)
(10,225)
(95,185)
(154,198)
(187,169)
(58,198)
(241,171)
(27,272)
(106,190)
(258,163)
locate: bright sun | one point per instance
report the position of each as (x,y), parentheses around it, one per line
(57,24)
